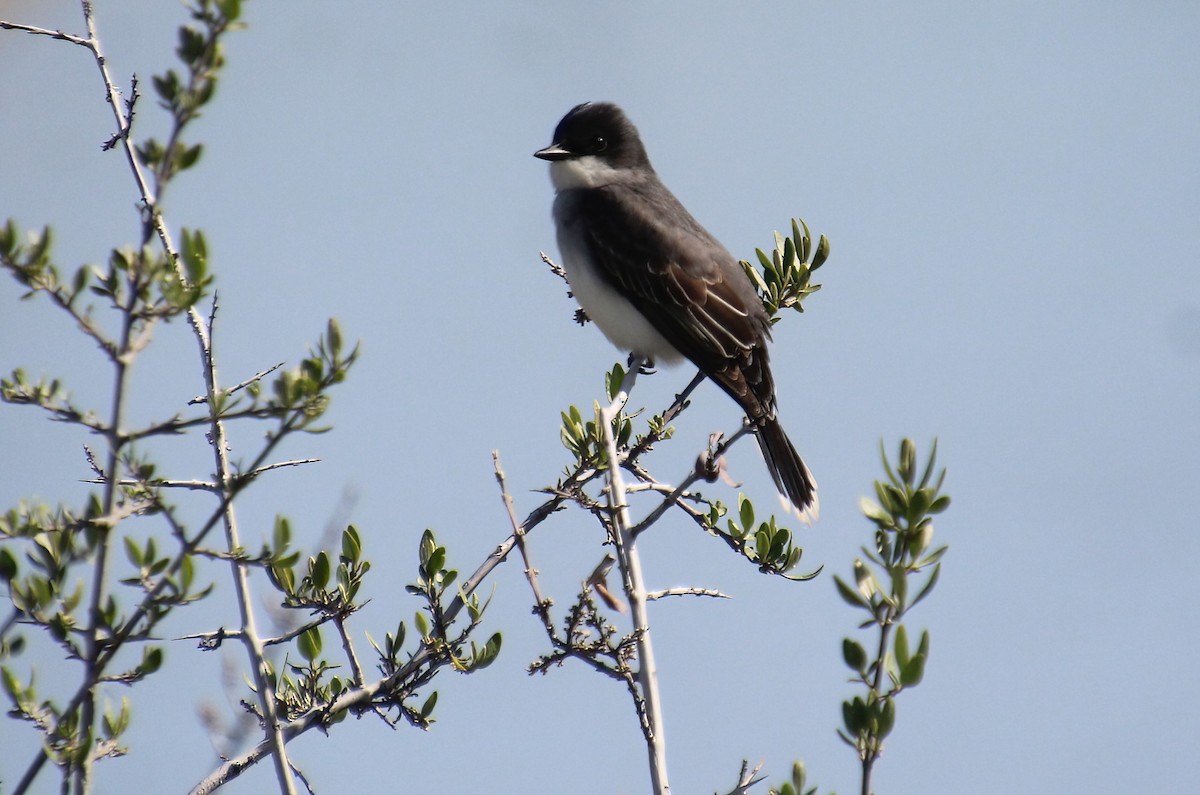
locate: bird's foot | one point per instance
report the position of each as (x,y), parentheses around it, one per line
(645,365)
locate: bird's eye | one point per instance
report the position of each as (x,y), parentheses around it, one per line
(599,143)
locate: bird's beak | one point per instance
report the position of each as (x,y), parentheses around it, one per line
(552,152)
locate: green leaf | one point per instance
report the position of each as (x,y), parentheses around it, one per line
(333,333)
(284,578)
(873,511)
(887,718)
(919,504)
(929,465)
(190,155)
(152,659)
(822,253)
(133,552)
(867,584)
(8,565)
(940,504)
(187,572)
(167,86)
(486,655)
(282,534)
(912,672)
(745,512)
(319,570)
(428,545)
(351,545)
(230,9)
(849,595)
(614,381)
(854,655)
(908,461)
(900,645)
(855,715)
(12,685)
(437,560)
(194,253)
(430,703)
(309,643)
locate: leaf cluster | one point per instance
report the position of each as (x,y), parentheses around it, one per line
(313,691)
(183,95)
(764,543)
(786,276)
(894,575)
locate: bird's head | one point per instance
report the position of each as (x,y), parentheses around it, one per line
(594,144)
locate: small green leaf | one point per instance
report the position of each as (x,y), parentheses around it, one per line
(12,685)
(887,718)
(908,461)
(351,545)
(913,671)
(230,9)
(190,155)
(940,504)
(822,253)
(437,560)
(745,512)
(8,565)
(867,584)
(133,552)
(849,595)
(282,534)
(152,658)
(900,645)
(430,703)
(855,715)
(854,655)
(873,511)
(319,570)
(309,643)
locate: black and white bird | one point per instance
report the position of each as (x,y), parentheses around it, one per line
(657,283)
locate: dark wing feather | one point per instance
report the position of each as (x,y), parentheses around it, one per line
(686,284)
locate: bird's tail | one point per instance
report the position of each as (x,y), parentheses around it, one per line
(791,476)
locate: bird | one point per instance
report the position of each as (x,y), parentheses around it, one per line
(657,284)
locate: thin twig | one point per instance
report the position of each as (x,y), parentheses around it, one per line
(54,34)
(252,379)
(295,462)
(747,778)
(191,485)
(555,268)
(686,591)
(541,605)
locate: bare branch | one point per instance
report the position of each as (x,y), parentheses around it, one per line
(686,591)
(54,34)
(630,565)
(747,778)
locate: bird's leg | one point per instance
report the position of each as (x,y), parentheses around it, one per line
(644,364)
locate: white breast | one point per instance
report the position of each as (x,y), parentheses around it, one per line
(620,321)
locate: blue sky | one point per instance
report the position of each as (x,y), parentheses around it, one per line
(1011,195)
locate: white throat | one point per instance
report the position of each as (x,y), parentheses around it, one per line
(588,171)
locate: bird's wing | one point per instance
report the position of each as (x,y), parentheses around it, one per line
(686,284)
